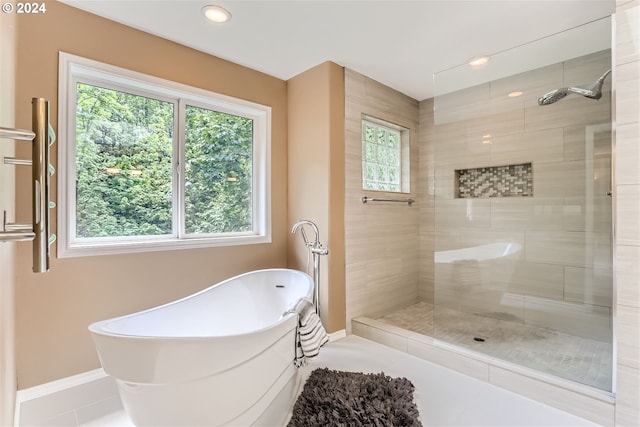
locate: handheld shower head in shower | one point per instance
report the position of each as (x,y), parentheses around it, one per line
(593,91)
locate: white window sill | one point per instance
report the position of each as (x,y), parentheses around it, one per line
(82,249)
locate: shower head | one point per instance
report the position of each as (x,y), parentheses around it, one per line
(553,96)
(593,91)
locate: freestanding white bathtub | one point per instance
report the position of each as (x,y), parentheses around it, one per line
(218,357)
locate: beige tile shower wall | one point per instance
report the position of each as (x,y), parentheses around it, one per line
(381,241)
(560,272)
(627,197)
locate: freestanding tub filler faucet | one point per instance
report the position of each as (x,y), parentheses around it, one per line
(315,249)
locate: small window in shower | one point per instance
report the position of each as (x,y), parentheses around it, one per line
(385,156)
(495,181)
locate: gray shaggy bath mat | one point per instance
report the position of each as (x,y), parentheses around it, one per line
(337,398)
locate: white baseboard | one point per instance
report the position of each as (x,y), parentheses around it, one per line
(334,336)
(60,385)
(67,400)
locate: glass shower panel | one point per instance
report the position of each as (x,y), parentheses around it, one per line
(523,223)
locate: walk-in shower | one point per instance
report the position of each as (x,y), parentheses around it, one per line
(518,215)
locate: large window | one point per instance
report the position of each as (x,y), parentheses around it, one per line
(148,164)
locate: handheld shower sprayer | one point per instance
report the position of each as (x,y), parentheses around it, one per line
(593,91)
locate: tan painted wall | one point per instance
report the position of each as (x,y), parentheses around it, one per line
(54,309)
(316,178)
(336,171)
(7,203)
(627,210)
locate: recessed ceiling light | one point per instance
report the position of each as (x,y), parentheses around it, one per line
(216,14)
(515,94)
(479,61)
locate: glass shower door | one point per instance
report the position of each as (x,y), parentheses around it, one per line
(523,223)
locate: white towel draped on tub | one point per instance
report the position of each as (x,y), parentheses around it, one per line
(311,335)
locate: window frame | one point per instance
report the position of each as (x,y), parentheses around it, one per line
(73,70)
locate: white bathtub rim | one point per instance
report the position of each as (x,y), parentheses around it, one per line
(96,327)
(195,339)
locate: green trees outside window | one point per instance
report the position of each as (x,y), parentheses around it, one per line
(217,196)
(125,149)
(123,164)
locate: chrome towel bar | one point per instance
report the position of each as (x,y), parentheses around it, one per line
(38,230)
(17,134)
(366,199)
(19,162)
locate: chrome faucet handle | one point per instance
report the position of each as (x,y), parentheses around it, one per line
(319,249)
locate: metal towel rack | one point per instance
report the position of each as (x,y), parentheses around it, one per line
(366,199)
(41,139)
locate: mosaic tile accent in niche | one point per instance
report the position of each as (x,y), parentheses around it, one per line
(495,181)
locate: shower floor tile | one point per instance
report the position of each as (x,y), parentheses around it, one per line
(574,358)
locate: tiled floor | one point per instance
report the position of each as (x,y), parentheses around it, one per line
(574,358)
(444,397)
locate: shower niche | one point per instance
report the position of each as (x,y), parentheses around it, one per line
(495,181)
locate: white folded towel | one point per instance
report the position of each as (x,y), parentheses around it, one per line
(310,335)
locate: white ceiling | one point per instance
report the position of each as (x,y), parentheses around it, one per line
(398,43)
